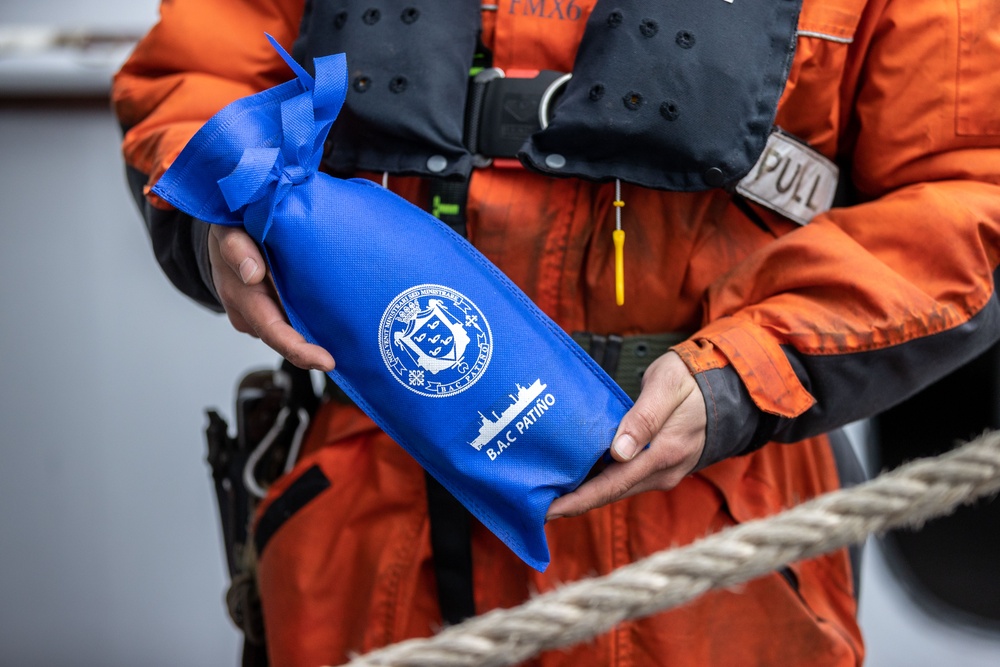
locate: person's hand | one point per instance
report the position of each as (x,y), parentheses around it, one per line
(250,300)
(670,416)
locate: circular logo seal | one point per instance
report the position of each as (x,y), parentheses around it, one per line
(434,341)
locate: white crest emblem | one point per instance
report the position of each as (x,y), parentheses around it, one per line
(434,341)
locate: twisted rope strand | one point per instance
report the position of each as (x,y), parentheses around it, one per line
(907,496)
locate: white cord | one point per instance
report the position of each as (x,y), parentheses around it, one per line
(249,479)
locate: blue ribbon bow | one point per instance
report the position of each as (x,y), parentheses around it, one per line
(264,175)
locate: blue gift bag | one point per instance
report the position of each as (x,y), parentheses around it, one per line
(431,340)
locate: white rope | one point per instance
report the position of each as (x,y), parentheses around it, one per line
(907,496)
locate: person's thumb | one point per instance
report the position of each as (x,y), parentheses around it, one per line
(636,430)
(240,253)
(662,391)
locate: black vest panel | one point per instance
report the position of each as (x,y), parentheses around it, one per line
(408,64)
(676,95)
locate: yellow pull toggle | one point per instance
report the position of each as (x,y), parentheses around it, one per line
(619,238)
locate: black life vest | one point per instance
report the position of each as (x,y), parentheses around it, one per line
(677,95)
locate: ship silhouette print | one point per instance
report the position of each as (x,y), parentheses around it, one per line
(489,429)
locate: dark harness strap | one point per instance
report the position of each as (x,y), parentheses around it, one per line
(450,522)
(451,549)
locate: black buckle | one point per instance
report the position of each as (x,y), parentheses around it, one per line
(503,111)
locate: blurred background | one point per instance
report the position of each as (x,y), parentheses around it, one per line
(110,551)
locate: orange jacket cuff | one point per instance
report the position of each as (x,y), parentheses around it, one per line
(756,357)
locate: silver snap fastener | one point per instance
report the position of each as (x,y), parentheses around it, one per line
(555,161)
(437,163)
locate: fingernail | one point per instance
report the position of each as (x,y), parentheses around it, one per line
(553,517)
(625,446)
(248,269)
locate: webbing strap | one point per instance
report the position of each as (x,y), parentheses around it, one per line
(254,655)
(625,358)
(450,522)
(451,549)
(303,394)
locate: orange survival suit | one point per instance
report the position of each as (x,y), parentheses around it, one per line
(793,330)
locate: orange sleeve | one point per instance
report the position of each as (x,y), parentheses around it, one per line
(867,304)
(200,56)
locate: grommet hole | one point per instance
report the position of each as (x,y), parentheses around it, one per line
(362,83)
(398,84)
(670,110)
(685,39)
(632,100)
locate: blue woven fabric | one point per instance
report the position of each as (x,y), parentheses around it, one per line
(431,340)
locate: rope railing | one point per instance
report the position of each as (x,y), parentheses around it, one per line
(906,496)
